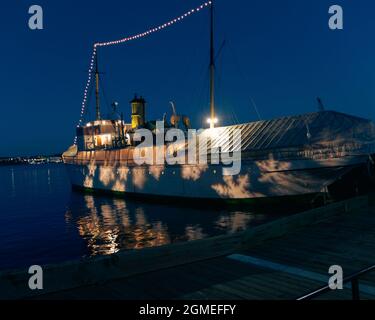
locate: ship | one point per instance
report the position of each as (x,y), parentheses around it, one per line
(300,156)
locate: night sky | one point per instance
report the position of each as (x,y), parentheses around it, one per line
(281,54)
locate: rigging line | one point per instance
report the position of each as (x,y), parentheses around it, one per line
(226,106)
(220,87)
(256,108)
(153,30)
(103,90)
(88,110)
(127,39)
(246,79)
(188,75)
(203,74)
(199,91)
(188,72)
(236,121)
(220,50)
(233,117)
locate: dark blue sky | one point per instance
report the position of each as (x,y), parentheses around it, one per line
(280,53)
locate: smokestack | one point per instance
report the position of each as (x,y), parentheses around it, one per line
(138,106)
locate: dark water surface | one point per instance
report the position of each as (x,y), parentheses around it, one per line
(43,221)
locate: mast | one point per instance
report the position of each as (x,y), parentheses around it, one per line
(212,70)
(97,96)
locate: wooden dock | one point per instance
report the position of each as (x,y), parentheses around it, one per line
(284,259)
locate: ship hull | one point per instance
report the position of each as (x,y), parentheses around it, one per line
(257,179)
(284,157)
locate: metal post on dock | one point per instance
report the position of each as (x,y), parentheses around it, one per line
(355,289)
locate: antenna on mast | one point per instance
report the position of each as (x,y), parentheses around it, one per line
(97,96)
(212,119)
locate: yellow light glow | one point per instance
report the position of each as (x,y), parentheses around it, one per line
(103,139)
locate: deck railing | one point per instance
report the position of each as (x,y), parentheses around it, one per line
(287,154)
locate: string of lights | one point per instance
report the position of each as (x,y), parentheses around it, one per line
(127,39)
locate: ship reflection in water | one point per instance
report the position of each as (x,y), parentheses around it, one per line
(43,222)
(109,225)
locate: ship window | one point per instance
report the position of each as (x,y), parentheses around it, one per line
(102,140)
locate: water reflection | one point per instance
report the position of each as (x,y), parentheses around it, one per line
(108,225)
(43,221)
(49,178)
(13,184)
(238,221)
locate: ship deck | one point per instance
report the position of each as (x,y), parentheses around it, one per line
(282,267)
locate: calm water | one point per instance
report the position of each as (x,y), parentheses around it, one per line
(43,221)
